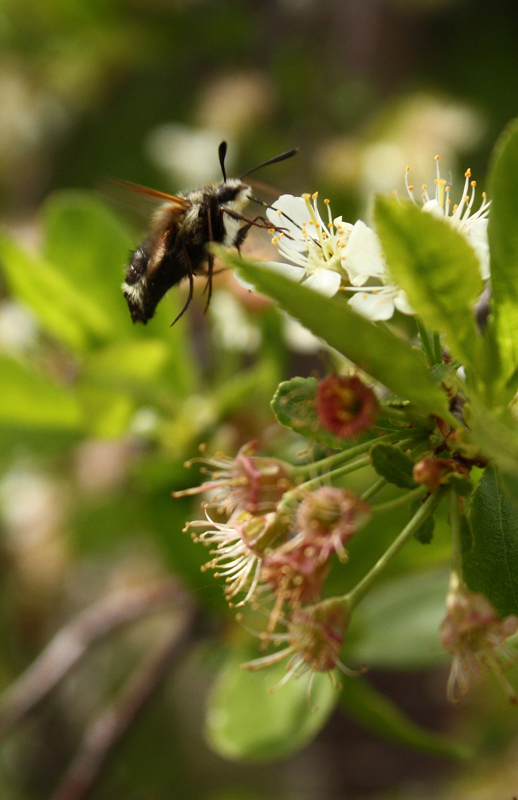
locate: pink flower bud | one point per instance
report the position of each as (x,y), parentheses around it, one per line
(328,517)
(245,483)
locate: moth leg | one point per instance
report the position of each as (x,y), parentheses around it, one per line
(210,271)
(264,223)
(191,285)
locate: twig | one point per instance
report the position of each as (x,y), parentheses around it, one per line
(72,641)
(107,731)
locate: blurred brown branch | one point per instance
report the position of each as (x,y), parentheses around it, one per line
(72,641)
(107,731)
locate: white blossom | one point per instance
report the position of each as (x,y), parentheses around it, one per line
(333,255)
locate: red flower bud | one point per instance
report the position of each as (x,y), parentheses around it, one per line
(346,406)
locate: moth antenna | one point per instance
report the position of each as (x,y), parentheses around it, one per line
(222,152)
(274,160)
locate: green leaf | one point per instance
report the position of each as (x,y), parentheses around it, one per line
(497,436)
(87,244)
(397,625)
(375,350)
(491,565)
(503,243)
(437,268)
(392,464)
(375,712)
(424,534)
(31,402)
(294,405)
(249,719)
(62,310)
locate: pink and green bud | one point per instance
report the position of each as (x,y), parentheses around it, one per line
(317,634)
(329,516)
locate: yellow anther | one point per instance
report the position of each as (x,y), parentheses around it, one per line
(467,174)
(410,188)
(281,234)
(424,187)
(271,230)
(407,169)
(473,183)
(326,201)
(447,188)
(436,158)
(275,240)
(314,195)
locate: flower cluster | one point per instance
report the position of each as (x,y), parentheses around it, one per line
(274,529)
(275,546)
(329,255)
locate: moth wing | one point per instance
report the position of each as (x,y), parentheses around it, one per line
(172,199)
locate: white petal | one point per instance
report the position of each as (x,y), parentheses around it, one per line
(299,338)
(375,307)
(325,281)
(402,304)
(477,237)
(362,256)
(297,217)
(434,208)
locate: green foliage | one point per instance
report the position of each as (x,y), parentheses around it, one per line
(396,626)
(393,464)
(249,718)
(375,712)
(491,565)
(503,242)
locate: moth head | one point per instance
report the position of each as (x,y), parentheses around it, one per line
(233,194)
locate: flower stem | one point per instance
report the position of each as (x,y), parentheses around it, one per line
(362,588)
(346,455)
(414,494)
(374,489)
(456,544)
(292,497)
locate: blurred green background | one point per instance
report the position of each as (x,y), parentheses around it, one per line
(97,416)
